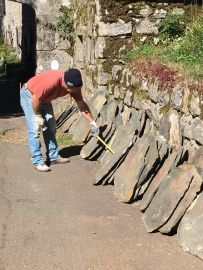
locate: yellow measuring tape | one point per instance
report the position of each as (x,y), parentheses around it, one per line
(106,145)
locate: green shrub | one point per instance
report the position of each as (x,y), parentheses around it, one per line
(64,24)
(8,55)
(172,27)
(188,51)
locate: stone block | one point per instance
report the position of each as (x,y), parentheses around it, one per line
(103,76)
(197,160)
(46,39)
(114,29)
(198,130)
(99,47)
(147,27)
(194,108)
(170,129)
(190,230)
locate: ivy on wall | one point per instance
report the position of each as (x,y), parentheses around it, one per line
(64,24)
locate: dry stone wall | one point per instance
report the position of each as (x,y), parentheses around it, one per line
(153,163)
(154,133)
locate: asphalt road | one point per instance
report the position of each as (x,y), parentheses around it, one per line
(60,221)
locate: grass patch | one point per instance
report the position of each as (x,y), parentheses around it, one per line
(65,139)
(188,51)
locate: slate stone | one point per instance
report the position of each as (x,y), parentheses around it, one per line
(198,158)
(172,189)
(117,124)
(111,175)
(114,29)
(142,189)
(96,103)
(198,130)
(121,141)
(68,123)
(109,111)
(195,105)
(162,173)
(157,151)
(151,158)
(187,200)
(81,128)
(170,129)
(65,116)
(106,136)
(190,230)
(128,174)
(130,178)
(93,147)
(126,115)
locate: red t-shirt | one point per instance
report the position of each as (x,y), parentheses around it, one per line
(48,86)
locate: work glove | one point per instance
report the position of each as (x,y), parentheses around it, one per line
(39,124)
(94,129)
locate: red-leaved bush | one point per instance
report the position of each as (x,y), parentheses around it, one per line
(165,76)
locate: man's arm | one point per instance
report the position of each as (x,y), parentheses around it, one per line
(85,110)
(36,104)
(38,117)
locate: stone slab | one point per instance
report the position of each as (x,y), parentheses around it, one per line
(190,230)
(187,200)
(68,123)
(122,140)
(172,189)
(127,175)
(154,185)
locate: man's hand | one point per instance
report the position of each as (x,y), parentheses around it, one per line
(39,123)
(94,129)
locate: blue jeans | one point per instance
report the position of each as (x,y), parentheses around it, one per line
(48,134)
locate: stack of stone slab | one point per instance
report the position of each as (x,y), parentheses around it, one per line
(72,121)
(144,166)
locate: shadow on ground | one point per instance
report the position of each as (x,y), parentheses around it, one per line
(70,151)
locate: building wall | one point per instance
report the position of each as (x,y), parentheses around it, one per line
(12,24)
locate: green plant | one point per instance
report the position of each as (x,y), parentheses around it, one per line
(144,50)
(64,24)
(7,54)
(188,51)
(172,27)
(64,139)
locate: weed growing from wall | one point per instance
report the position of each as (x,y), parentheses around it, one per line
(173,27)
(64,24)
